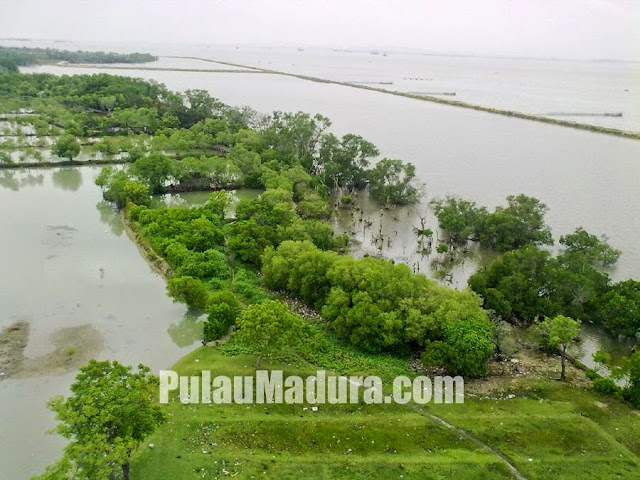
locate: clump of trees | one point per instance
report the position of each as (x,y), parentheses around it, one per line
(223,310)
(618,309)
(378,306)
(529,282)
(110,411)
(192,141)
(21,56)
(119,188)
(508,228)
(391,182)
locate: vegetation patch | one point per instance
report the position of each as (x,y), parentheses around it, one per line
(13,341)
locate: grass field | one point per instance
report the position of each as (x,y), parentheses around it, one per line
(547,431)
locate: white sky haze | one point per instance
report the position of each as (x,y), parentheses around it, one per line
(582,29)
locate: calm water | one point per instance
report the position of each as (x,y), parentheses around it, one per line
(94,274)
(535,86)
(586,179)
(68,262)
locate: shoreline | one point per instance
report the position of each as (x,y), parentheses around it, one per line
(433,99)
(158,264)
(65,163)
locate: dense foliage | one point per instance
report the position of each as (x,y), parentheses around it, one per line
(110,411)
(529,282)
(518,224)
(379,306)
(192,141)
(13,57)
(268,327)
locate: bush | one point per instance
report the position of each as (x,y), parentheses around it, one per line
(189,290)
(605,385)
(223,310)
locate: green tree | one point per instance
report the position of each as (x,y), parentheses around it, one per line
(619,308)
(521,283)
(154,170)
(589,248)
(189,290)
(459,219)
(558,333)
(342,163)
(223,310)
(467,343)
(111,410)
(391,182)
(631,368)
(313,206)
(268,327)
(67,146)
(119,188)
(294,137)
(520,223)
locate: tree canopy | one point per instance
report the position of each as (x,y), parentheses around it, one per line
(268,327)
(110,411)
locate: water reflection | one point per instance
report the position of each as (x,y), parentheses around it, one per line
(8,180)
(110,217)
(69,179)
(13,180)
(196,199)
(189,330)
(594,338)
(409,235)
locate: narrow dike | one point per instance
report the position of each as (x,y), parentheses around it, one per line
(156,262)
(429,98)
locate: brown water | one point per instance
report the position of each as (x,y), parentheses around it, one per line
(68,262)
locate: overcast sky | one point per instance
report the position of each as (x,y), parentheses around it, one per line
(538,28)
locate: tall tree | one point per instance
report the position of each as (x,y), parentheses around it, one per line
(392,182)
(458,218)
(520,223)
(153,169)
(111,410)
(559,332)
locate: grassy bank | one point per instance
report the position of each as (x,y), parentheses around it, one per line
(546,429)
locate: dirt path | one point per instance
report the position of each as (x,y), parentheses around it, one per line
(469,436)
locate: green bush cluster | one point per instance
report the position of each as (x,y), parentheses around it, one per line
(378,306)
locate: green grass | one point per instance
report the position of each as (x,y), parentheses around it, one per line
(549,431)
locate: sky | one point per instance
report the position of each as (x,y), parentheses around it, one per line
(580,29)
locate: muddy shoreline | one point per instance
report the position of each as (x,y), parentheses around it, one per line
(73,347)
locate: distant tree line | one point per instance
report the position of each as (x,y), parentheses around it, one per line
(13,57)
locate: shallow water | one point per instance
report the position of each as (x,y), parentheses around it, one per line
(586,179)
(92,273)
(68,262)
